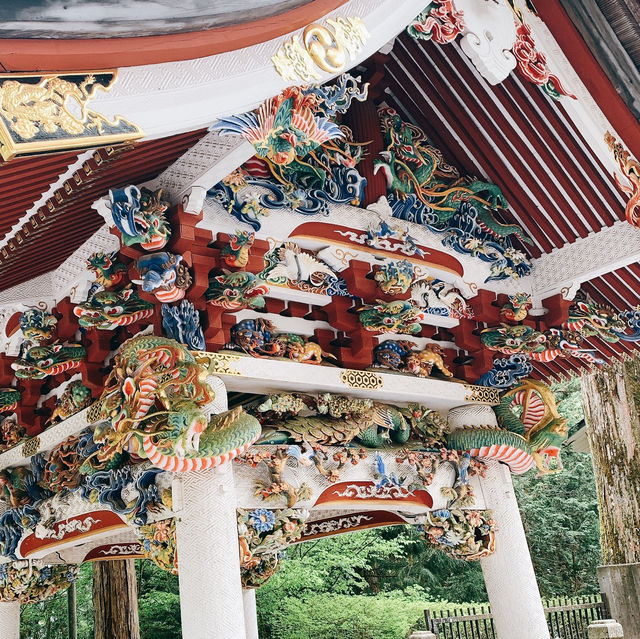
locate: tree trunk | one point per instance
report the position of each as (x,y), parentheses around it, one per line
(72,615)
(115,600)
(611,400)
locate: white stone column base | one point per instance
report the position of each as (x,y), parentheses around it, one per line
(211,602)
(250,613)
(605,629)
(508,573)
(10,620)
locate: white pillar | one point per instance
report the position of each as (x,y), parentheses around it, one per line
(250,613)
(10,620)
(508,573)
(211,603)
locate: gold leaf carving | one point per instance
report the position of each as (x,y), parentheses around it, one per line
(49,112)
(325,46)
(31,447)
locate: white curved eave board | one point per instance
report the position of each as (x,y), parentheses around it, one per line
(174,97)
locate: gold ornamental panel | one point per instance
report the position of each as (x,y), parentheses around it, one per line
(482,394)
(44,112)
(321,46)
(218,363)
(366,380)
(31,447)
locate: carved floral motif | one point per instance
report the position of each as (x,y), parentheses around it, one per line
(463,534)
(440,22)
(31,582)
(158,543)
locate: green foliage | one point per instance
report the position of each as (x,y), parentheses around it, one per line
(48,619)
(158,602)
(372,584)
(560,516)
(569,398)
(329,616)
(560,513)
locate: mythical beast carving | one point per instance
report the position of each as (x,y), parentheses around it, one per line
(154,402)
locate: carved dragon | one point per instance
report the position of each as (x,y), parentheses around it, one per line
(153,406)
(412,166)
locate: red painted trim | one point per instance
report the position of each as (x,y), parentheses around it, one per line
(592,76)
(563,154)
(57,55)
(340,235)
(497,170)
(105,520)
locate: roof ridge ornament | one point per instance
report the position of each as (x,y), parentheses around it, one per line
(495,37)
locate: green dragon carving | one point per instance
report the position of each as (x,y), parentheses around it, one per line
(107,310)
(398,316)
(153,402)
(109,271)
(9,398)
(529,420)
(42,361)
(412,166)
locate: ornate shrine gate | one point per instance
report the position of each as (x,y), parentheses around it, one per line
(304,319)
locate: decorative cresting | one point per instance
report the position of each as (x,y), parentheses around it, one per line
(34,581)
(630,168)
(262,534)
(528,429)
(154,401)
(320,47)
(158,543)
(490,40)
(51,112)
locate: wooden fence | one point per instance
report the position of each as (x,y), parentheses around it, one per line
(566,618)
